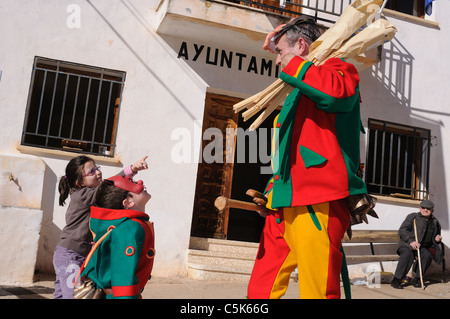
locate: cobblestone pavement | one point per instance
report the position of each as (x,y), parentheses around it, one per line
(185,288)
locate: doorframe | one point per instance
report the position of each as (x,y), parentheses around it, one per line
(204,211)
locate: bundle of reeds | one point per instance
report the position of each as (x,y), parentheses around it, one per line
(342,40)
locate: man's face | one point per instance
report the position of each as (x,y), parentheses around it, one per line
(426,212)
(283,48)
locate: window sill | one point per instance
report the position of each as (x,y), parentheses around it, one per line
(396,200)
(410,18)
(69,155)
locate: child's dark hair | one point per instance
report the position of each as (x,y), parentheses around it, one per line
(110,196)
(73,177)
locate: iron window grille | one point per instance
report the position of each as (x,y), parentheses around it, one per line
(327,11)
(398,160)
(72,107)
(413,7)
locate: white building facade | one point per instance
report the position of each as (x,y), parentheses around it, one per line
(118,80)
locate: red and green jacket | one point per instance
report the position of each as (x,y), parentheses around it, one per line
(318,131)
(124,260)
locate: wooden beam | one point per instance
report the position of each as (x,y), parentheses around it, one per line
(372,236)
(222,203)
(371,258)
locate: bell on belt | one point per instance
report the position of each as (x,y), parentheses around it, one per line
(359,206)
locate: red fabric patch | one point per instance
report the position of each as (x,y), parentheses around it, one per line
(315,130)
(335,78)
(293,65)
(125,291)
(129,251)
(272,252)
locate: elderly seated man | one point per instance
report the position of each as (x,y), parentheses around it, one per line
(428,239)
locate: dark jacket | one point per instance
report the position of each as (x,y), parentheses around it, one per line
(76,234)
(407,235)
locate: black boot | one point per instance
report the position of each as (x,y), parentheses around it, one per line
(395,283)
(416,282)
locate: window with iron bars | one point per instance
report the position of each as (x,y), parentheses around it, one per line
(72,107)
(398,160)
(412,7)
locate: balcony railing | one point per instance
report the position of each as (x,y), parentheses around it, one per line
(326,11)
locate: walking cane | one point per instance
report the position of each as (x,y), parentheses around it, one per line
(418,255)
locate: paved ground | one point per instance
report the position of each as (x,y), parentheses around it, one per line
(185,288)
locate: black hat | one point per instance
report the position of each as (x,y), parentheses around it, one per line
(427,204)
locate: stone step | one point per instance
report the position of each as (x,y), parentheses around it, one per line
(206,271)
(219,259)
(223,245)
(232,256)
(222,258)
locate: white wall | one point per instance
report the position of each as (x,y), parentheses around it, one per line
(410,86)
(161,93)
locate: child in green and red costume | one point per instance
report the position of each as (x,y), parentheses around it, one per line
(80,183)
(122,264)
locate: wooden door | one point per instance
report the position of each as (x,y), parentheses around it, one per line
(214,179)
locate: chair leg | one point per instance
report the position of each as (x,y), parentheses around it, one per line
(444,279)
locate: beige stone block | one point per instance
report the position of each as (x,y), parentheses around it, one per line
(19,237)
(21,180)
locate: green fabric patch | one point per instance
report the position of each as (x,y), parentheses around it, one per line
(310,157)
(314,218)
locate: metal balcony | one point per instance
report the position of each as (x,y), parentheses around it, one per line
(326,11)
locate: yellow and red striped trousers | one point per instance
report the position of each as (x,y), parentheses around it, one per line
(307,237)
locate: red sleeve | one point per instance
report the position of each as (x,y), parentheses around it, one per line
(330,85)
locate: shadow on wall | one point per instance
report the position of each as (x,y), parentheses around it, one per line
(395,72)
(50,232)
(387,94)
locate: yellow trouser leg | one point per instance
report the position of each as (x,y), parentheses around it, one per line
(311,248)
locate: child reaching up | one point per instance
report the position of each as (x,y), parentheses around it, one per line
(81,182)
(122,263)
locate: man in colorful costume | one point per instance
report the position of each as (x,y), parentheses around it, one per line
(123,262)
(314,170)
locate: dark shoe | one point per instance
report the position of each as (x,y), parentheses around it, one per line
(416,283)
(395,283)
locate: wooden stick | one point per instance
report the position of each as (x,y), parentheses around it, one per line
(268,96)
(222,202)
(252,100)
(248,102)
(337,44)
(275,102)
(418,255)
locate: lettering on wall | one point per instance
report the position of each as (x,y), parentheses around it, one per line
(73,21)
(228,59)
